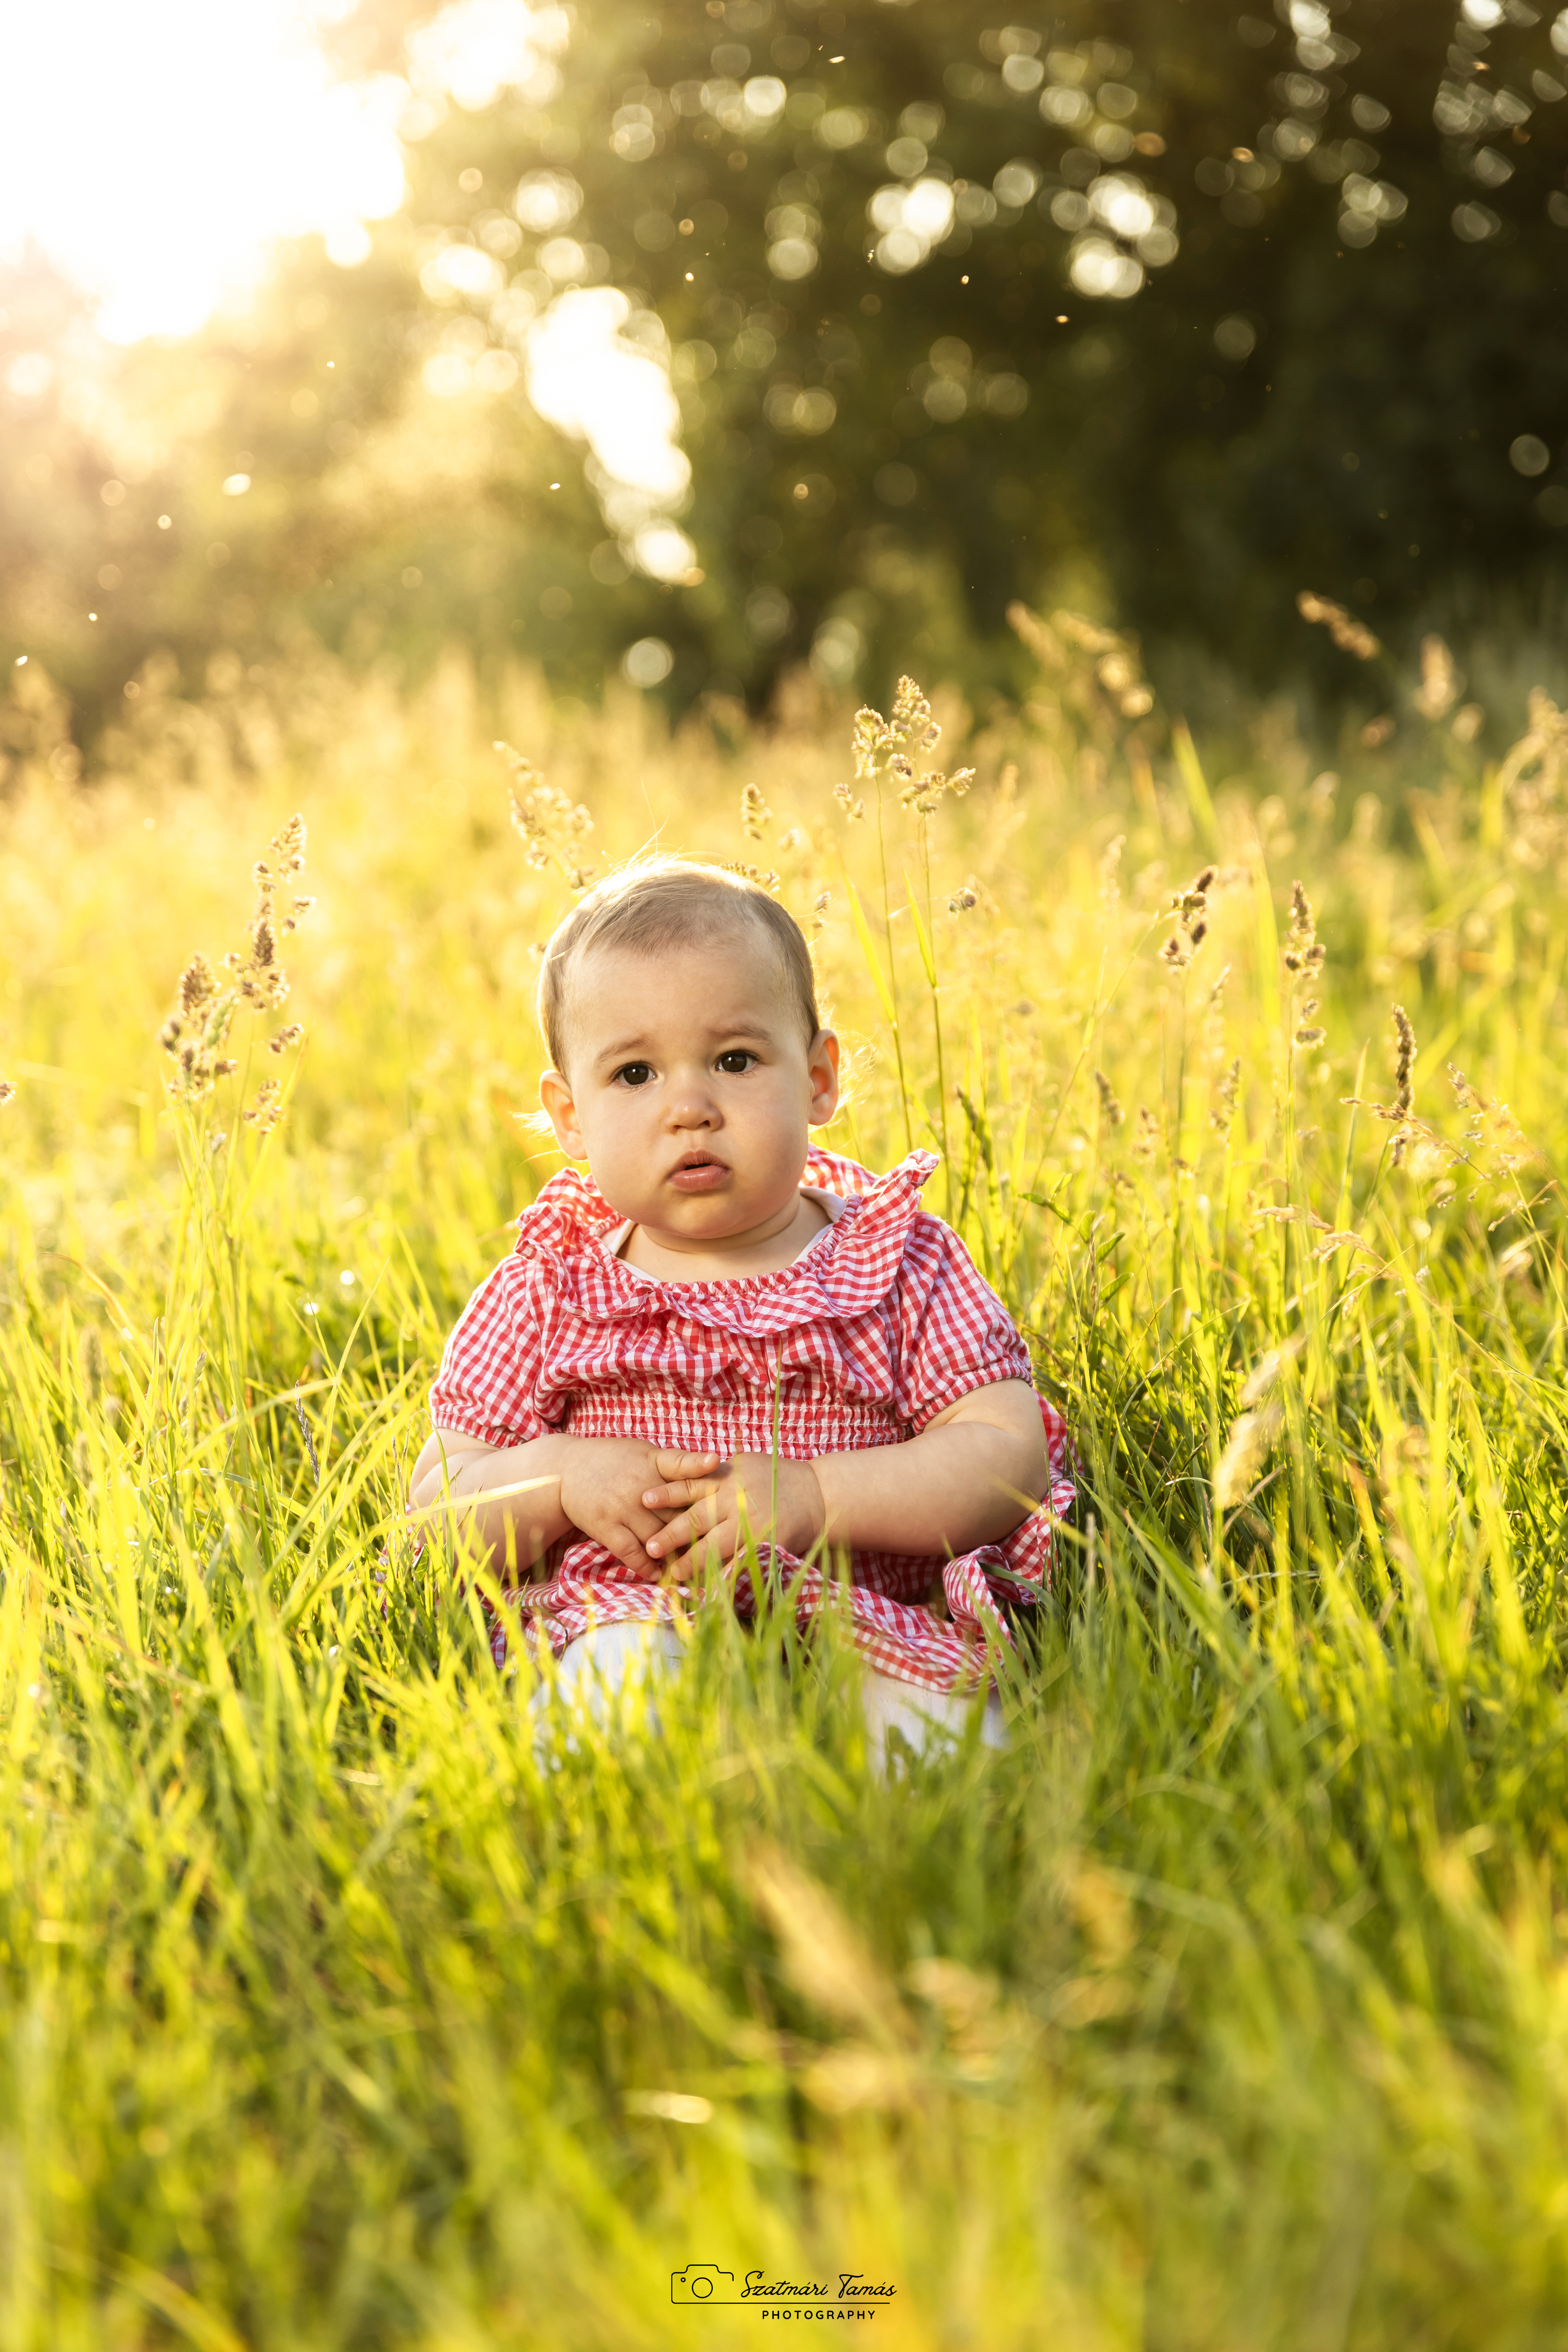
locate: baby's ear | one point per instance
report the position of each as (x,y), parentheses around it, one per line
(560,1113)
(824,1080)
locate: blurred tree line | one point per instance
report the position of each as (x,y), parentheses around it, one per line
(1143,304)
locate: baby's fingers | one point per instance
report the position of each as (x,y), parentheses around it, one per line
(624,1545)
(707,1529)
(673,1464)
(679,1495)
(672,1537)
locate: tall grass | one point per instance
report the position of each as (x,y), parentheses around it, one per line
(1228,2008)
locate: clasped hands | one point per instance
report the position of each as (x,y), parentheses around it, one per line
(656,1508)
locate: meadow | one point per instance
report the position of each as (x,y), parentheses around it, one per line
(1229,2007)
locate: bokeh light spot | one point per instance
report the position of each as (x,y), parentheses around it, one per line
(648,663)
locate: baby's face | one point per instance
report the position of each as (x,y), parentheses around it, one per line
(691,1087)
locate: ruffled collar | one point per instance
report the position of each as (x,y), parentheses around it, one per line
(846,1270)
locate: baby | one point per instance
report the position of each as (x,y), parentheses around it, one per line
(722,1332)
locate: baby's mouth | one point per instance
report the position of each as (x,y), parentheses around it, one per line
(698,1172)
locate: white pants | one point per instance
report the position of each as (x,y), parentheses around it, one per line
(596,1667)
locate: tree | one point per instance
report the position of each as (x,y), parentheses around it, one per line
(1213,307)
(1134,304)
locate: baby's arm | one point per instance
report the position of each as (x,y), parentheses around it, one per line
(973,1475)
(518,1500)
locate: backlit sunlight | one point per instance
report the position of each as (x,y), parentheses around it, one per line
(155,151)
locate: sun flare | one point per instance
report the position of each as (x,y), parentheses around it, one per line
(155,153)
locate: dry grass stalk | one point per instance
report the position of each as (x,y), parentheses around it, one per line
(1227,1087)
(891,751)
(824,1956)
(198,1029)
(768,876)
(1304,955)
(1493,1133)
(1118,669)
(550,825)
(1440,680)
(1110,872)
(1190,907)
(1247,1449)
(1349,635)
(1531,781)
(267,1109)
(1404,1081)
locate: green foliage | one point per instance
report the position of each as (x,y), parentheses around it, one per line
(1239,312)
(1334,363)
(343,2007)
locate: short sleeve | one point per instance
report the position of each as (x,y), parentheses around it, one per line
(954,1334)
(488,1381)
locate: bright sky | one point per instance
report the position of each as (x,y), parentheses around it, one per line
(154,147)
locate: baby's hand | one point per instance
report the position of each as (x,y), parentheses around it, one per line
(604,1486)
(711,1504)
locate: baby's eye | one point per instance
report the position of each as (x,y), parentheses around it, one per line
(735,1064)
(635,1074)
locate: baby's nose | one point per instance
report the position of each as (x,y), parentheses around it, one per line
(691,1104)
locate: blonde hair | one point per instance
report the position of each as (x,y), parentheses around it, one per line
(665,902)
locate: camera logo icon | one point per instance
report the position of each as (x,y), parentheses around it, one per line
(702,2283)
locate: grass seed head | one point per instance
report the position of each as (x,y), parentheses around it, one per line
(550,827)
(1110,867)
(1348,634)
(891,751)
(198,986)
(755,814)
(1303,959)
(823,1955)
(1037,634)
(767,878)
(1190,907)
(1440,681)
(1404,1064)
(1108,1105)
(1302,935)
(1117,670)
(205,1006)
(267,1111)
(1246,1451)
(7,1092)
(1226,1091)
(1403,1083)
(912,719)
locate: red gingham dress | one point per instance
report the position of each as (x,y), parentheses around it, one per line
(880,1322)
